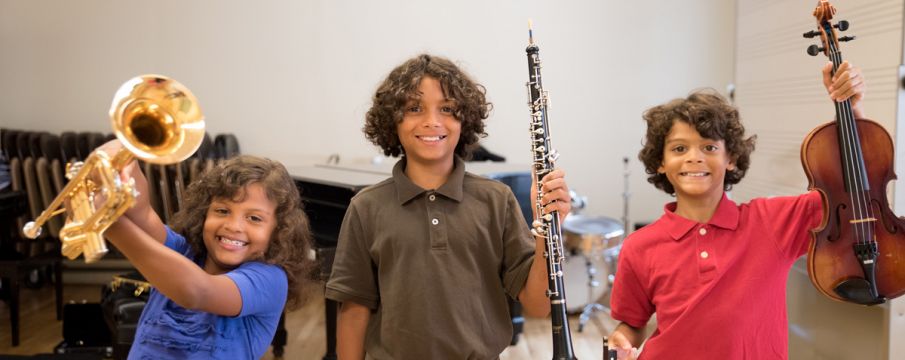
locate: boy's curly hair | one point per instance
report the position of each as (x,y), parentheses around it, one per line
(401,85)
(713,117)
(290,240)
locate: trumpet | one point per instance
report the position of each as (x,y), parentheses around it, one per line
(158,120)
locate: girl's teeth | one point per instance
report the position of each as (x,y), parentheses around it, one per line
(232,242)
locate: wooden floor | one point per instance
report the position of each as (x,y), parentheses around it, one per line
(40,331)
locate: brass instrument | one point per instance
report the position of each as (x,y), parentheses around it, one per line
(140,286)
(157,120)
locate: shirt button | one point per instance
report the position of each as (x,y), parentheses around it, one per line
(435,221)
(703,231)
(432,197)
(704,254)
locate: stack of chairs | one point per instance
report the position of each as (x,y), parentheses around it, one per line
(32,160)
(37,162)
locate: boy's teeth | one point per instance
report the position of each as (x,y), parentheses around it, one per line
(695,174)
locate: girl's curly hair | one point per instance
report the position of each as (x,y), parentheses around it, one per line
(290,240)
(713,117)
(401,85)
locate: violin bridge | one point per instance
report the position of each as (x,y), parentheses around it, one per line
(858,221)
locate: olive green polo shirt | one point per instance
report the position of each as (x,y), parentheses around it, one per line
(434,266)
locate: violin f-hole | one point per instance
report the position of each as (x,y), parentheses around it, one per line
(834,233)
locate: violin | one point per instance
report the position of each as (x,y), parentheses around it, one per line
(857,254)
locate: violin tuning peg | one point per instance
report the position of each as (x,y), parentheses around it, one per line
(813,50)
(846,38)
(842,25)
(811,34)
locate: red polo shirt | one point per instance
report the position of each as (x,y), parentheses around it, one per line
(718,289)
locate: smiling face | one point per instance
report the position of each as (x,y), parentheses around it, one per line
(429,130)
(695,166)
(238,231)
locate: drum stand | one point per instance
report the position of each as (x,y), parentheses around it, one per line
(609,259)
(593,305)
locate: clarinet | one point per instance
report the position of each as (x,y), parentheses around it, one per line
(547,226)
(608,354)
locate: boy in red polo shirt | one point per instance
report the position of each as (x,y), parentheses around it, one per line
(712,270)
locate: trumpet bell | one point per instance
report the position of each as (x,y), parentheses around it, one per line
(157,119)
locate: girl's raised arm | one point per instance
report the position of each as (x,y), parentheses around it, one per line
(141,213)
(174,275)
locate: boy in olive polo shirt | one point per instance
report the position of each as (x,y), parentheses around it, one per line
(426,258)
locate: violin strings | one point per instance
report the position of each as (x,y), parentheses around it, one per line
(853,162)
(845,143)
(858,151)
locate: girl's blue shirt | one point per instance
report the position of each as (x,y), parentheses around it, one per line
(169,331)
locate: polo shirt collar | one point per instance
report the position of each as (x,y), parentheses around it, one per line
(406,190)
(726,217)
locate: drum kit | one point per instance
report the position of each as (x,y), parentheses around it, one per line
(592,244)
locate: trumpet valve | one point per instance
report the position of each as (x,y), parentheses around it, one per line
(71,250)
(94,256)
(94,247)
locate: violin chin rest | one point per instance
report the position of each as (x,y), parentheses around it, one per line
(858,291)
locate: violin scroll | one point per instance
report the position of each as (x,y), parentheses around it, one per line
(827,30)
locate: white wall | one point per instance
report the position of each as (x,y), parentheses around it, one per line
(293,78)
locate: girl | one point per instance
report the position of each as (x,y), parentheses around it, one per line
(235,255)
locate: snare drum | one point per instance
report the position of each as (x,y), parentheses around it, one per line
(592,246)
(590,235)
(581,287)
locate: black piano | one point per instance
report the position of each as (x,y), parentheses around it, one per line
(326,191)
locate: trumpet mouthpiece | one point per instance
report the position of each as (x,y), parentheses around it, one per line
(31,231)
